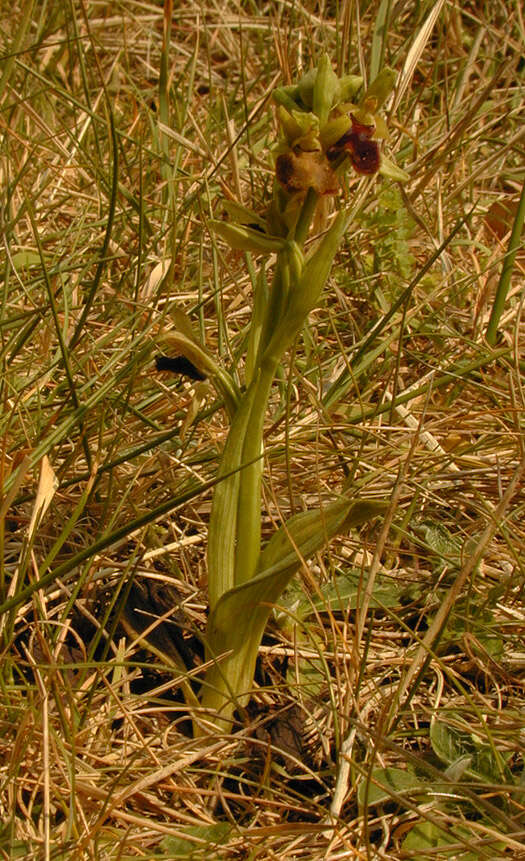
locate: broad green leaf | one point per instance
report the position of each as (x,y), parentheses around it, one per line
(385,781)
(222,532)
(309,676)
(309,530)
(344,594)
(428,835)
(25,259)
(237,622)
(441,542)
(452,744)
(260,303)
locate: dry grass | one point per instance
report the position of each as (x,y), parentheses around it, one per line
(110,165)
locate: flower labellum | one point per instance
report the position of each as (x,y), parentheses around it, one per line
(359,146)
(297,172)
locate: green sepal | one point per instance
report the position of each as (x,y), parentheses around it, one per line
(392,171)
(305,88)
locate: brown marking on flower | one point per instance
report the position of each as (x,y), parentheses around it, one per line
(297,172)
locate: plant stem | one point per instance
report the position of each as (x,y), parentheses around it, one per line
(305,217)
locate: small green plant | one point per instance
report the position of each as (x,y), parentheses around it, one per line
(324,130)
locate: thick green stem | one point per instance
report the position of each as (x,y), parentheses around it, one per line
(234,544)
(305,217)
(249,506)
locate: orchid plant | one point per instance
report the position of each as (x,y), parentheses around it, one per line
(325,130)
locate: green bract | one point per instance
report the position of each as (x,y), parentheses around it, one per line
(246,238)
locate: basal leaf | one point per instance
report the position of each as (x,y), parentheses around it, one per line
(384,782)
(237,622)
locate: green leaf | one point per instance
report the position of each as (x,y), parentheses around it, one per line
(428,835)
(441,542)
(309,530)
(306,294)
(25,259)
(386,781)
(237,622)
(452,745)
(309,676)
(344,594)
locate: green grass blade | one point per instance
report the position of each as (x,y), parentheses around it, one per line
(506,273)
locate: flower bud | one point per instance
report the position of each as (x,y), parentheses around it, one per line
(379,90)
(349,86)
(305,88)
(325,89)
(284,96)
(301,129)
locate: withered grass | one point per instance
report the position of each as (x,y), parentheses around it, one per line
(118,138)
